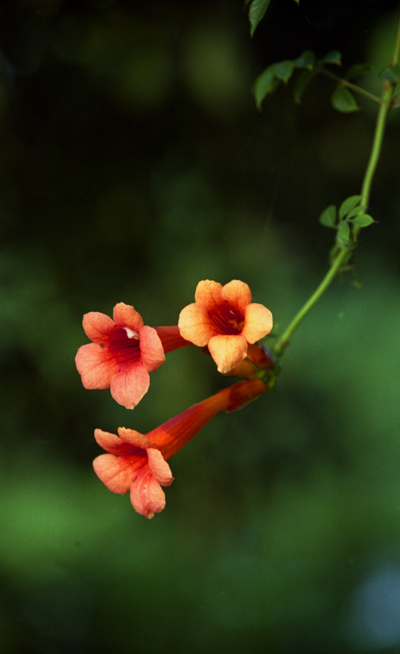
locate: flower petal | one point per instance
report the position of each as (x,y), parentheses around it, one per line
(130,384)
(126,316)
(134,438)
(258,322)
(151,349)
(208,293)
(98,327)
(238,294)
(196,325)
(118,473)
(96,366)
(147,496)
(159,467)
(111,443)
(227,351)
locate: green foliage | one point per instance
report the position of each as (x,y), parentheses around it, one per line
(328,216)
(343,100)
(350,213)
(256,13)
(391,73)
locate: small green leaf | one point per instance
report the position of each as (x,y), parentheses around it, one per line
(304,77)
(333,57)
(357,71)
(355,212)
(343,100)
(391,73)
(349,204)
(362,220)
(306,60)
(283,70)
(343,236)
(328,216)
(264,84)
(256,12)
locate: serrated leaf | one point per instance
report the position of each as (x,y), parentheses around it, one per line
(362,220)
(283,70)
(304,77)
(333,57)
(357,70)
(348,204)
(343,236)
(328,216)
(305,60)
(391,73)
(264,84)
(343,100)
(256,12)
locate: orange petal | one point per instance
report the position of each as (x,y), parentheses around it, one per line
(195,324)
(227,351)
(151,349)
(238,294)
(96,366)
(159,467)
(134,438)
(147,496)
(98,327)
(126,316)
(117,473)
(130,384)
(208,293)
(110,442)
(258,322)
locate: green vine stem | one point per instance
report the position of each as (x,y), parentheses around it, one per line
(342,255)
(350,85)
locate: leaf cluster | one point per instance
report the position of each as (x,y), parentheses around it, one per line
(309,66)
(350,218)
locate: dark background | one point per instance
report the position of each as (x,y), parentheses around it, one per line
(133,164)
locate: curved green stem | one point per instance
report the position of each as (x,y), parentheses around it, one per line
(350,85)
(342,255)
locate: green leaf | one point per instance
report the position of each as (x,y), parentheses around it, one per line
(333,57)
(305,60)
(301,82)
(256,12)
(362,220)
(343,100)
(328,216)
(264,84)
(391,73)
(357,71)
(343,236)
(355,212)
(283,70)
(349,204)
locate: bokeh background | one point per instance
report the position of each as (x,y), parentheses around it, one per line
(133,163)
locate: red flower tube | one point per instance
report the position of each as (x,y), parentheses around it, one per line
(138,463)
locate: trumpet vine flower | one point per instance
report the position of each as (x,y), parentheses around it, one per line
(226,320)
(123,352)
(138,463)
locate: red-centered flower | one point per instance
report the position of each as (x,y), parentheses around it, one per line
(226,320)
(122,353)
(138,463)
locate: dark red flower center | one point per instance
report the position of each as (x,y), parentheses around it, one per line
(227,320)
(124,345)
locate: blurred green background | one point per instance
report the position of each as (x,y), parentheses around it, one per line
(133,164)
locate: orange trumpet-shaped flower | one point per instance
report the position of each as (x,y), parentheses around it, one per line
(138,463)
(226,320)
(121,355)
